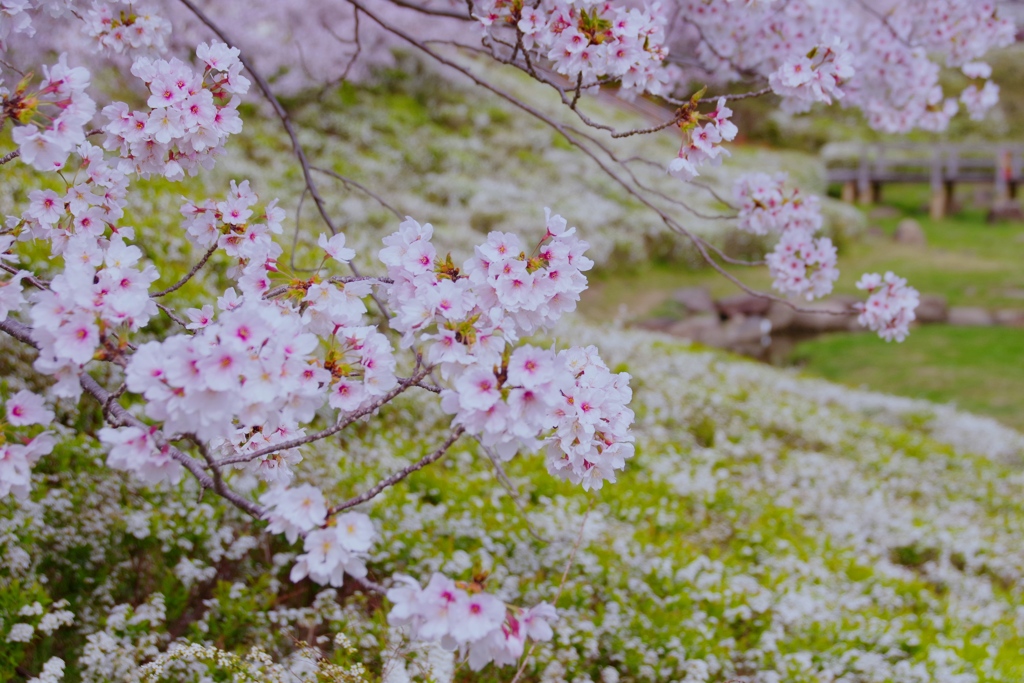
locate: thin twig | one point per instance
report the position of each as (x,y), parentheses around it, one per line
(561,586)
(195,269)
(333,429)
(401,474)
(118,416)
(279,109)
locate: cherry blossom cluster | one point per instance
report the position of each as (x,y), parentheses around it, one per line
(467,314)
(814,77)
(569,398)
(800,264)
(895,82)
(463,617)
(250,369)
(470,316)
(588,42)
(125,28)
(102,293)
(804,266)
(110,26)
(766,206)
(243,232)
(332,547)
(92,203)
(135,450)
(702,144)
(190,114)
(890,307)
(340,548)
(294,511)
(23,409)
(53,118)
(978,101)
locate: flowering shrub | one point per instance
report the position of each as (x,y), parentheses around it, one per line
(254,391)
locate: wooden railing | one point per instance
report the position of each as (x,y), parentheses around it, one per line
(940,166)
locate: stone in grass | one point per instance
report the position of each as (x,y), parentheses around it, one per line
(932,309)
(876,232)
(882,212)
(970,316)
(694,299)
(744,330)
(743,304)
(1009,317)
(659,324)
(705,328)
(780,316)
(1005,211)
(833,315)
(909,232)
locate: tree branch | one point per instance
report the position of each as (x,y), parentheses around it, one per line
(401,474)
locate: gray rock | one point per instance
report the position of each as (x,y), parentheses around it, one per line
(704,329)
(780,316)
(743,304)
(694,299)
(876,232)
(743,330)
(661,324)
(932,309)
(1005,211)
(833,315)
(969,316)
(909,232)
(1009,318)
(881,212)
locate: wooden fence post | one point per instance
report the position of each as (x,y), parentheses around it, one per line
(939,199)
(864,189)
(1002,177)
(850,192)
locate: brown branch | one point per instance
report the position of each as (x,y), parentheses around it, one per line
(279,109)
(348,181)
(10,156)
(172,315)
(31,279)
(431,11)
(117,416)
(401,474)
(341,424)
(195,269)
(342,279)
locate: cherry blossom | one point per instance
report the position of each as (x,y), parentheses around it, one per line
(294,511)
(702,143)
(16,462)
(133,449)
(127,30)
(191,115)
(890,307)
(339,549)
(26,408)
(463,617)
(803,266)
(767,206)
(815,77)
(54,116)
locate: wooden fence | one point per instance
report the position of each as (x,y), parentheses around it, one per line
(940,166)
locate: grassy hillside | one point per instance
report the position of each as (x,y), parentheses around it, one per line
(967,261)
(770,528)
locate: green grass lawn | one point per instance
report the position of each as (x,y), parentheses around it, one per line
(968,261)
(980,369)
